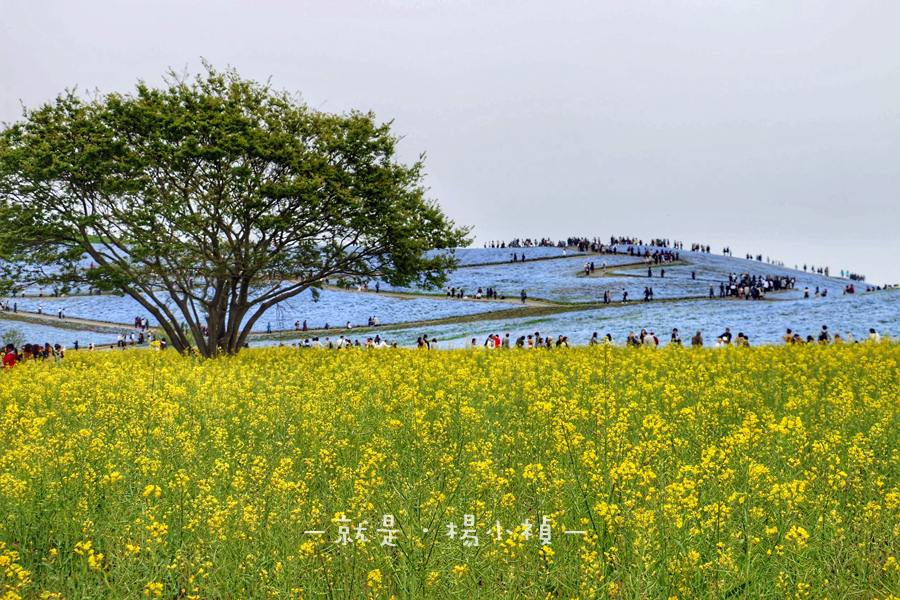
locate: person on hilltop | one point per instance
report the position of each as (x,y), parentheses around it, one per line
(524,296)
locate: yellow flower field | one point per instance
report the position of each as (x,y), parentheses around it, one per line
(735,473)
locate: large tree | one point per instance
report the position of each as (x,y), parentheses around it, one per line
(211,200)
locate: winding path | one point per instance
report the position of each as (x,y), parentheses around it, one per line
(24,315)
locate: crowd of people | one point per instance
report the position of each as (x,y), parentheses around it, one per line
(345,343)
(647,339)
(34,352)
(587,244)
(755,287)
(526,243)
(644,339)
(31,352)
(660,257)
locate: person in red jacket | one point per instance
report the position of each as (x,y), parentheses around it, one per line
(10,357)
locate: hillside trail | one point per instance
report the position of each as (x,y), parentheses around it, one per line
(26,315)
(600,272)
(411,296)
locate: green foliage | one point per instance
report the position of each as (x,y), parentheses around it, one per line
(14,337)
(211,200)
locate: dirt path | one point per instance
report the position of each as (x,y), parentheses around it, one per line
(599,272)
(575,254)
(413,296)
(33,317)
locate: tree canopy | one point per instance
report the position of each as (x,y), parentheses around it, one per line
(211,200)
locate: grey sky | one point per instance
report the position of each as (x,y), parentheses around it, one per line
(772,127)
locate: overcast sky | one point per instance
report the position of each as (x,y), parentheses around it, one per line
(772,127)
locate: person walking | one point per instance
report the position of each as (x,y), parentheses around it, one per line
(524,296)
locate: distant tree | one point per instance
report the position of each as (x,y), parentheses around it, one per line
(210,201)
(14,337)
